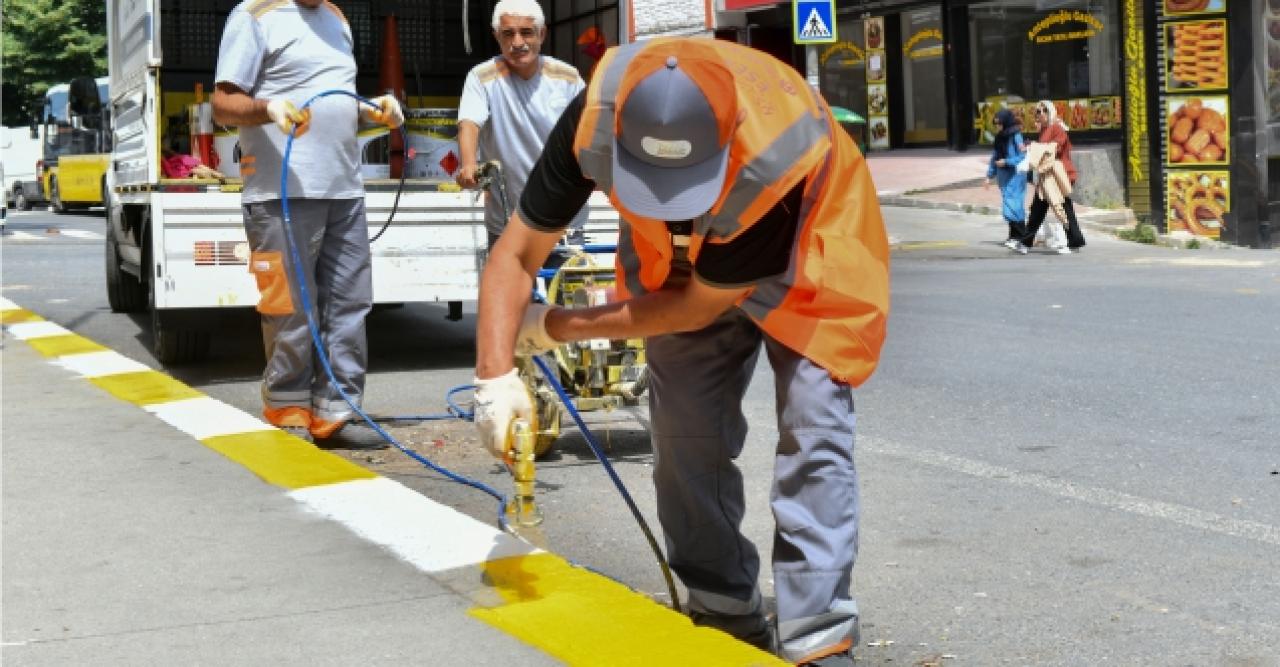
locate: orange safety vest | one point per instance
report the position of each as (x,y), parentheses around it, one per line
(832,303)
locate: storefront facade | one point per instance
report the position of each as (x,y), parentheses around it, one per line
(1127,76)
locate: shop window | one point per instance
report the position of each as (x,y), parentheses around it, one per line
(1067,51)
(843,67)
(923,76)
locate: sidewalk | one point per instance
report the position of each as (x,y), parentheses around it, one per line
(938,178)
(147,523)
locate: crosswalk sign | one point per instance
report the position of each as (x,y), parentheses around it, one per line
(814,21)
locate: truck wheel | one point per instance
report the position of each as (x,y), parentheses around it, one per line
(20,201)
(55,197)
(174,345)
(125,293)
(170,343)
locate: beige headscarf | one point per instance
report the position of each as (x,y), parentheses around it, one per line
(1052,112)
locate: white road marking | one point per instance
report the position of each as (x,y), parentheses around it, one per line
(206,417)
(98,364)
(23,236)
(82,234)
(1201,261)
(410,524)
(1124,502)
(25,330)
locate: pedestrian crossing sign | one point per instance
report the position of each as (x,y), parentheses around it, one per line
(814,21)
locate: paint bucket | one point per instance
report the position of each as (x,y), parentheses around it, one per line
(200,120)
(226,145)
(375,151)
(433,143)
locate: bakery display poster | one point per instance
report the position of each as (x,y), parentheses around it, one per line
(1176,7)
(877,90)
(1198,130)
(1198,201)
(1195,55)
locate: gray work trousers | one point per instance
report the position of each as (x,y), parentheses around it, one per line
(698,380)
(333,241)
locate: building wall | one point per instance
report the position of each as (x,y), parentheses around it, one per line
(657,18)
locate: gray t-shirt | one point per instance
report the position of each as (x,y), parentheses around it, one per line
(515,117)
(271,50)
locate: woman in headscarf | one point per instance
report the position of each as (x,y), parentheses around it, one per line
(1007,152)
(1053,130)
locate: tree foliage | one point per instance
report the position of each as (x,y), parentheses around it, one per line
(47,42)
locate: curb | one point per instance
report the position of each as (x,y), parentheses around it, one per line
(1104,220)
(568,612)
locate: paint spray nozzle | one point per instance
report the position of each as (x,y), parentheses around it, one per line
(520,443)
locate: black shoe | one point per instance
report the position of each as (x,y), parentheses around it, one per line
(753,629)
(353,435)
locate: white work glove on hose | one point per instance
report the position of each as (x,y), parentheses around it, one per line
(285,115)
(497,401)
(387,113)
(533,337)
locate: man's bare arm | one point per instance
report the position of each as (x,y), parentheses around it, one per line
(689,308)
(234,107)
(505,289)
(468,140)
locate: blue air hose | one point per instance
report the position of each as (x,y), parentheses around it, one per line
(455,412)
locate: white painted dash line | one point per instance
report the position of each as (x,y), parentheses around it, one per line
(1115,500)
(206,417)
(410,524)
(28,330)
(82,234)
(98,364)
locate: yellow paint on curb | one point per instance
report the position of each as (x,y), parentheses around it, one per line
(584,618)
(145,387)
(285,460)
(17,315)
(57,346)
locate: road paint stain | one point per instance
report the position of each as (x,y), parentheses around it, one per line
(583,618)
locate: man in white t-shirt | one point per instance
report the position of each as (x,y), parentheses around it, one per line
(276,55)
(509,105)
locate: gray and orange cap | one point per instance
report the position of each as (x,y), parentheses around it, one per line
(673,129)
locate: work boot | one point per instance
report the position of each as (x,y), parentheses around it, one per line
(752,629)
(353,435)
(300,432)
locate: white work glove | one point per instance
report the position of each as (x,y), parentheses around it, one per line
(388,111)
(533,337)
(498,401)
(285,115)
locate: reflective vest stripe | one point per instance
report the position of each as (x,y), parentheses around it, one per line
(628,260)
(764,171)
(596,159)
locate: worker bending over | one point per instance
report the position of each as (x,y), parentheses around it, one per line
(748,216)
(274,56)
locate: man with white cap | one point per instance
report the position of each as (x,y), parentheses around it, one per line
(748,216)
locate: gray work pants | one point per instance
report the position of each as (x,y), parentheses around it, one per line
(333,241)
(698,380)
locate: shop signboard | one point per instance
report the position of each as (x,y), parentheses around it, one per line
(877,88)
(813,21)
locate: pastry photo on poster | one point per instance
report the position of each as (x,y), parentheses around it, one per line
(877,99)
(1198,130)
(878,128)
(1198,201)
(1196,55)
(1176,7)
(873,32)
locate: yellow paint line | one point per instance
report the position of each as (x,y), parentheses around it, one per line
(584,618)
(929,245)
(286,461)
(18,315)
(57,346)
(145,387)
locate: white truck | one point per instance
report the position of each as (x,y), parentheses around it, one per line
(177,247)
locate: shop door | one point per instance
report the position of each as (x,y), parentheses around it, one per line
(924,114)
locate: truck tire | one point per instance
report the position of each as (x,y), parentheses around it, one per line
(55,197)
(172,344)
(20,200)
(125,293)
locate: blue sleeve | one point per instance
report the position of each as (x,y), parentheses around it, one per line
(241,53)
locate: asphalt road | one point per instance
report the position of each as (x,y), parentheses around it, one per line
(1065,459)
